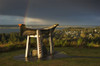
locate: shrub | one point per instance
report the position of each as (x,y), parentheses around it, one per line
(79,41)
(92,44)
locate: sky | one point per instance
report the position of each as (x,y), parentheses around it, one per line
(47,12)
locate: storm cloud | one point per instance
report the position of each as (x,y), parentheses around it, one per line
(69,12)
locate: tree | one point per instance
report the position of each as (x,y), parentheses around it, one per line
(12,38)
(3,39)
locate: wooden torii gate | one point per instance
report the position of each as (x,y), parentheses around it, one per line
(38,33)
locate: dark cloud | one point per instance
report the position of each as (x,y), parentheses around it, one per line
(18,7)
(63,7)
(13,7)
(59,10)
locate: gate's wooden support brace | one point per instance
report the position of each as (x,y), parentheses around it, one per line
(39,44)
(27,47)
(51,43)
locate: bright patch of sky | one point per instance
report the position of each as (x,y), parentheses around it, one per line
(10,20)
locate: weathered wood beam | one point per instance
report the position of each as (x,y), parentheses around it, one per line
(29,31)
(51,43)
(27,47)
(39,45)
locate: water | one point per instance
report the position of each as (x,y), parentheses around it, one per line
(57,55)
(13,30)
(8,30)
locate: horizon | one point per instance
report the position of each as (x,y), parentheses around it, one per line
(45,25)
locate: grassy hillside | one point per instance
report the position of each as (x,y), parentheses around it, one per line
(80,57)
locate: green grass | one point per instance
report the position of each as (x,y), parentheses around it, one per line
(6,58)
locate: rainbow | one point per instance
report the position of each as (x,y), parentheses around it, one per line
(36,21)
(26,12)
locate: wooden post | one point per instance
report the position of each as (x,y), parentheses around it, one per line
(27,47)
(51,43)
(26,59)
(39,45)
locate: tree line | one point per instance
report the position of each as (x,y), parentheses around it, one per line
(78,37)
